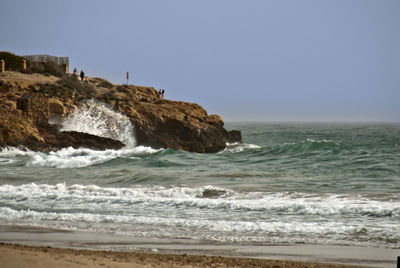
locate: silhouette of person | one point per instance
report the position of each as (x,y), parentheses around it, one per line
(82,75)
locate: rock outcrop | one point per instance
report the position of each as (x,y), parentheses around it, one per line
(31,105)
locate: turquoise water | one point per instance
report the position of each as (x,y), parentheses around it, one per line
(290,183)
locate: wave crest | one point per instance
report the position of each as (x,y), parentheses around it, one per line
(77,158)
(239,147)
(308,145)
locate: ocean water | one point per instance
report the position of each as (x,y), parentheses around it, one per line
(287,183)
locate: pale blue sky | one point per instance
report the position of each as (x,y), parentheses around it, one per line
(258,60)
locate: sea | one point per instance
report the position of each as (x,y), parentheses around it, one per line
(290,183)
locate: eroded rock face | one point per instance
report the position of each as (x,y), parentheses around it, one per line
(234,136)
(56,107)
(28,103)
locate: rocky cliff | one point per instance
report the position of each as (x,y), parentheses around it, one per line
(32,104)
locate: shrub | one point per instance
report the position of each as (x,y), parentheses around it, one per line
(13,62)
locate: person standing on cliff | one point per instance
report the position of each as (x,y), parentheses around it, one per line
(82,75)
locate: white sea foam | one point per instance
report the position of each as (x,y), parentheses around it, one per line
(5,161)
(13,152)
(270,203)
(181,212)
(239,147)
(97,119)
(322,142)
(75,158)
(9,155)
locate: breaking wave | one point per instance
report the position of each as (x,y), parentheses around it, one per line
(238,216)
(97,119)
(239,147)
(307,145)
(70,157)
(76,158)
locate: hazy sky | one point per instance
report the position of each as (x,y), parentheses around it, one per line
(281,60)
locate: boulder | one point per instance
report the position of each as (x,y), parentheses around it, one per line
(56,107)
(55,140)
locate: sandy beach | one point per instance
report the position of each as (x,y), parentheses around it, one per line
(39,247)
(28,256)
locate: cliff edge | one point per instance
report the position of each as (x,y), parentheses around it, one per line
(32,104)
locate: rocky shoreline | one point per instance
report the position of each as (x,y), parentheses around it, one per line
(28,102)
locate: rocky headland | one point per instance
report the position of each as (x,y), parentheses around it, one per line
(31,103)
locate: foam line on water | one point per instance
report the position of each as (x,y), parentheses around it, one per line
(191,197)
(82,157)
(234,229)
(14,152)
(183,211)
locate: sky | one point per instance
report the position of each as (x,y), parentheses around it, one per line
(256,60)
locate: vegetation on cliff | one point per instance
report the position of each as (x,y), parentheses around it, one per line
(13,62)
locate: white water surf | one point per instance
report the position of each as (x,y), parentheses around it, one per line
(97,119)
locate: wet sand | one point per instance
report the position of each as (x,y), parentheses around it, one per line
(13,256)
(38,247)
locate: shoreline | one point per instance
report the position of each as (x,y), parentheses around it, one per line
(12,255)
(183,252)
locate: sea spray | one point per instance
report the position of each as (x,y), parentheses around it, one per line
(96,118)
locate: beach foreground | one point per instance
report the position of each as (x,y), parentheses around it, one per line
(39,247)
(28,256)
